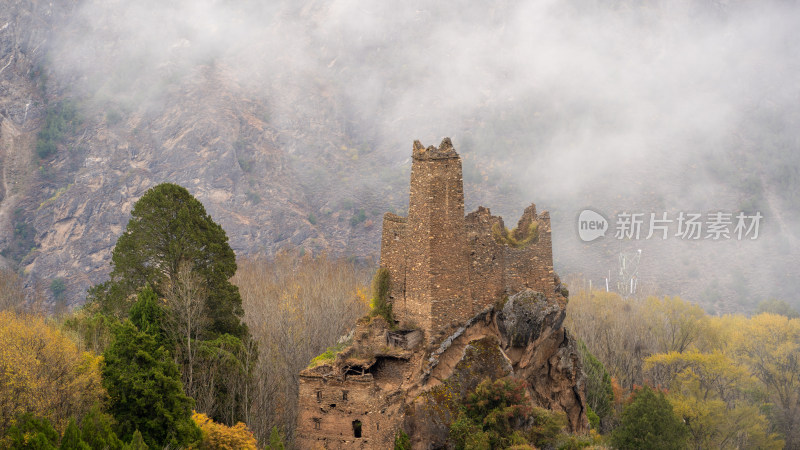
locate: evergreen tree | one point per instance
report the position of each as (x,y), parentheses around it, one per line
(599,392)
(169,227)
(649,422)
(148,316)
(275,440)
(137,443)
(72,438)
(97,430)
(145,391)
(31,433)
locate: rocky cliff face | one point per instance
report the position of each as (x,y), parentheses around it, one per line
(392,384)
(60,214)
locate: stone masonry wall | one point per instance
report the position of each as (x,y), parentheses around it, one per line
(487,277)
(331,408)
(444,266)
(393,257)
(436,255)
(531,266)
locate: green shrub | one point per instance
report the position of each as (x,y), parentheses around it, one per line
(31,432)
(599,393)
(380,304)
(60,120)
(358,217)
(402,441)
(329,354)
(57,288)
(491,416)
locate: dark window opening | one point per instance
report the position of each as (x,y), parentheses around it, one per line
(317,423)
(357,370)
(319,396)
(357,428)
(344,395)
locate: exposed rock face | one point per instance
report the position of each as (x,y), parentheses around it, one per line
(457,324)
(206,132)
(391,388)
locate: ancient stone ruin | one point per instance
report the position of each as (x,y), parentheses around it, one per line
(471,299)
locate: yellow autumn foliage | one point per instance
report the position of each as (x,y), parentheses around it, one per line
(43,372)
(217,436)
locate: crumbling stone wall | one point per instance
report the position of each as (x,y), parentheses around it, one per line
(343,412)
(393,257)
(444,267)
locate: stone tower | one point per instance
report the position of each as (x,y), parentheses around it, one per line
(473,300)
(434,293)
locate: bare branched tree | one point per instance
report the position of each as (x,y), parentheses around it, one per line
(185,299)
(295,307)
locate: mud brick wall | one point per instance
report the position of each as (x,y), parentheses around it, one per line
(329,407)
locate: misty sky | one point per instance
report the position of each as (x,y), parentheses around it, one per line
(579,103)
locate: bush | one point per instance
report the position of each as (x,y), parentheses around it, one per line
(402,441)
(57,287)
(219,436)
(31,432)
(513,238)
(358,217)
(381,284)
(492,415)
(60,120)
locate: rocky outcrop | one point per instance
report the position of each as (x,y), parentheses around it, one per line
(419,389)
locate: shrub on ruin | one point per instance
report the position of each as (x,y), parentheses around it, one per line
(513,238)
(381,283)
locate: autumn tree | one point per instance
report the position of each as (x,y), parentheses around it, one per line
(296,305)
(43,372)
(169,227)
(713,395)
(770,345)
(675,323)
(217,436)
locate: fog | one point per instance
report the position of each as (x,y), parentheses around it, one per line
(618,106)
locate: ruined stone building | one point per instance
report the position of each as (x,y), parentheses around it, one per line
(471,299)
